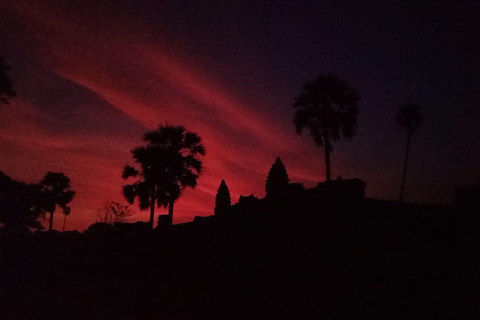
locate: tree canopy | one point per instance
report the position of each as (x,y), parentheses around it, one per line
(409,117)
(327,107)
(168,164)
(57,192)
(21,203)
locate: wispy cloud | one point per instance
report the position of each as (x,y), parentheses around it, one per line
(132,73)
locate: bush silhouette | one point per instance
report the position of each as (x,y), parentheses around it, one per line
(113,212)
(20,203)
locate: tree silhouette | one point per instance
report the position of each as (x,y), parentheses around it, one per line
(168,164)
(410,118)
(20,204)
(56,191)
(222,199)
(6,84)
(113,212)
(327,107)
(155,185)
(277,180)
(66,212)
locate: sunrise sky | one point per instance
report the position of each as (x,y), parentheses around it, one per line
(93,76)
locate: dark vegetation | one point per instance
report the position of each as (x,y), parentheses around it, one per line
(56,191)
(23,203)
(324,253)
(168,164)
(6,84)
(114,212)
(409,118)
(327,107)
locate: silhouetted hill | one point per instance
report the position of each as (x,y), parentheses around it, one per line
(321,258)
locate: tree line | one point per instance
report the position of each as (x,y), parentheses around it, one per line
(170,159)
(23,203)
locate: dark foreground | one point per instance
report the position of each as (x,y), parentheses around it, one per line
(362,259)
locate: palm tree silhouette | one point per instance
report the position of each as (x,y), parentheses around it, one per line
(55,187)
(168,164)
(410,118)
(327,106)
(66,212)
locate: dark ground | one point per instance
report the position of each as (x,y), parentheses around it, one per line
(358,259)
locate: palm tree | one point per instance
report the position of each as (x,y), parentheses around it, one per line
(56,190)
(327,106)
(168,164)
(66,212)
(410,118)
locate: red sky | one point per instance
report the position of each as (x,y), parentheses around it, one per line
(91,80)
(148,86)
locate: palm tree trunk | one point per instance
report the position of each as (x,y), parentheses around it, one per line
(64,220)
(152,211)
(327,149)
(170,211)
(51,221)
(405,166)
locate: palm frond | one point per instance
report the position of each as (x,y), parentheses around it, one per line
(168,164)
(66,197)
(326,106)
(129,192)
(55,180)
(409,117)
(190,162)
(129,171)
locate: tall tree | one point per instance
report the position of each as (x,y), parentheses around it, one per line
(57,193)
(327,107)
(410,118)
(277,179)
(222,199)
(6,84)
(168,164)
